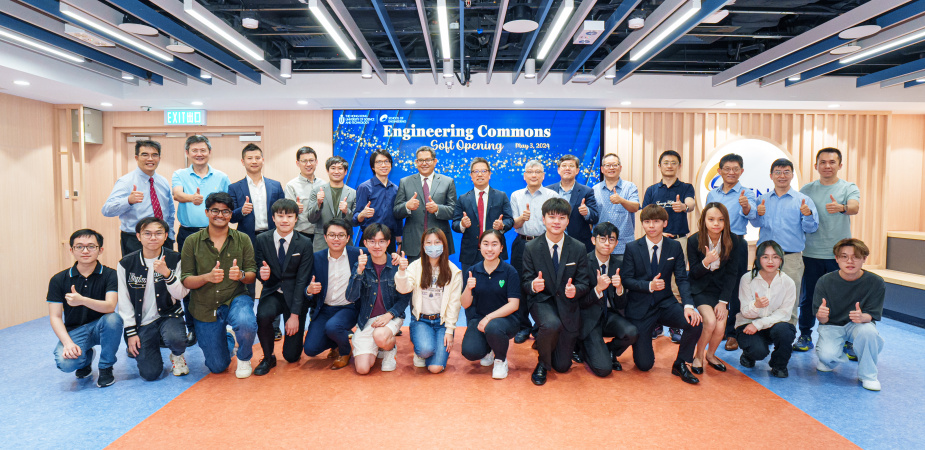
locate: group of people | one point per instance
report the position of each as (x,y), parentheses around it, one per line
(575,269)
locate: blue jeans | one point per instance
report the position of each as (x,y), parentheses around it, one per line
(105,332)
(867,345)
(217,345)
(813,269)
(427,337)
(330,329)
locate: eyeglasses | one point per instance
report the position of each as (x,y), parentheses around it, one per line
(610,240)
(81,248)
(533,172)
(611,166)
(224,212)
(480,172)
(149,235)
(383,162)
(337,236)
(670,163)
(771,258)
(851,258)
(307,162)
(731,169)
(785,173)
(382,243)
(426,161)
(149,155)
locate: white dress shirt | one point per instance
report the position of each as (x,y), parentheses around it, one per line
(338,276)
(258,196)
(652,245)
(287,240)
(781,293)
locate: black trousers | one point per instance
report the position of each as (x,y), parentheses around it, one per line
(741,268)
(149,360)
(517,260)
(269,308)
(496,338)
(599,356)
(756,346)
(669,313)
(182,234)
(553,342)
(129,243)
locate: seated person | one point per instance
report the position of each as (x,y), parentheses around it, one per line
(847,303)
(382,308)
(285,260)
(81,305)
(649,264)
(766,296)
(150,301)
(434,284)
(491,298)
(332,316)
(218,294)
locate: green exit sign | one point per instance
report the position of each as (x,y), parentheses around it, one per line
(185,117)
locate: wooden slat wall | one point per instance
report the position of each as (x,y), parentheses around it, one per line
(638,137)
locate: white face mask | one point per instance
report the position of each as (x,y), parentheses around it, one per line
(434,251)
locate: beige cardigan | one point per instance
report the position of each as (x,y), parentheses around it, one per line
(408,281)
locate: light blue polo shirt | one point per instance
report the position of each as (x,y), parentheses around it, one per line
(190,214)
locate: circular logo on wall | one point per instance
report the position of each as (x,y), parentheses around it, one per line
(757,154)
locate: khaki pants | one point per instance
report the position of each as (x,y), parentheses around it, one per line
(793,267)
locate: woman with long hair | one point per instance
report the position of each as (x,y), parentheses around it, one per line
(435,285)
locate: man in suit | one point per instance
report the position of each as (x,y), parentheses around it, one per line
(254,195)
(284,259)
(649,264)
(425,200)
(332,200)
(480,209)
(555,278)
(602,311)
(333,317)
(585,211)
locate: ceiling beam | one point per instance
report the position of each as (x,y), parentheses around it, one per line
(616,18)
(425,30)
(565,37)
(87,64)
(351,26)
(886,75)
(496,39)
(462,42)
(379,6)
(799,56)
(531,39)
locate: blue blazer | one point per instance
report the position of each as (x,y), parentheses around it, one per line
(498,204)
(637,273)
(579,227)
(321,276)
(239,190)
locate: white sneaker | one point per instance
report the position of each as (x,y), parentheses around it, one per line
(499,372)
(388,359)
(419,362)
(179,365)
(820,366)
(244,369)
(488,359)
(871,385)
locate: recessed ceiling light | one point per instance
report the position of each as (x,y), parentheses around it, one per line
(127,76)
(410,102)
(794,78)
(21,82)
(834,105)
(302,102)
(730,104)
(518,102)
(626,103)
(205,75)
(859,32)
(845,49)
(105,104)
(197,103)
(920,80)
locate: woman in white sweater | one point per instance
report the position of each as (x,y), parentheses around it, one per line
(767,296)
(435,285)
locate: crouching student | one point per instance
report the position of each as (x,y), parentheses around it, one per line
(847,304)
(382,307)
(81,305)
(767,296)
(150,301)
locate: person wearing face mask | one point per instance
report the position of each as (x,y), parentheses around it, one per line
(435,285)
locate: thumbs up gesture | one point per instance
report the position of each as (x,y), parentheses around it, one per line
(761,208)
(413,204)
(470,282)
(466,222)
(265,272)
(761,302)
(361,262)
(431,206)
(498,224)
(616,199)
(583,209)
(234,273)
(198,198)
(367,211)
(743,200)
(657,283)
(804,209)
(569,289)
(677,205)
(73,298)
(823,313)
(343,207)
(298,201)
(538,283)
(314,287)
(525,216)
(216,275)
(834,207)
(856,315)
(135,196)
(320,196)
(402,262)
(710,256)
(603,282)
(248,207)
(616,281)
(160,266)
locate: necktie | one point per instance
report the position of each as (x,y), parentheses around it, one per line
(606,291)
(426,199)
(155,202)
(654,265)
(481,213)
(555,257)
(282,253)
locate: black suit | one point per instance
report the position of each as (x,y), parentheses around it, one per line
(602,317)
(644,309)
(710,286)
(557,316)
(292,277)
(579,226)
(496,205)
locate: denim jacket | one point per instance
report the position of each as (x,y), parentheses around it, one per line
(362,288)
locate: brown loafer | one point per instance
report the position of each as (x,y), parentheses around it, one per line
(341,362)
(334,353)
(732,344)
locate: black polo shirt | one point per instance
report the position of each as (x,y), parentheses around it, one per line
(664,196)
(102,280)
(491,291)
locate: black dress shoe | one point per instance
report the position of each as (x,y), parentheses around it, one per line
(680,369)
(522,336)
(539,375)
(576,356)
(780,373)
(398,334)
(745,361)
(265,365)
(191,338)
(697,370)
(720,366)
(616,366)
(278,335)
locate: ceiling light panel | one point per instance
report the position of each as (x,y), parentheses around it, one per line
(219,27)
(113,32)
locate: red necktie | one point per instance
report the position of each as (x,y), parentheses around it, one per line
(481,213)
(426,199)
(155,202)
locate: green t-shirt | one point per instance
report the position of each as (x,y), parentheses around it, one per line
(337,192)
(832,227)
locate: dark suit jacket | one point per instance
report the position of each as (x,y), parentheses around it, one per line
(592,308)
(497,204)
(636,276)
(573,263)
(239,191)
(293,277)
(579,227)
(443,192)
(321,276)
(722,281)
